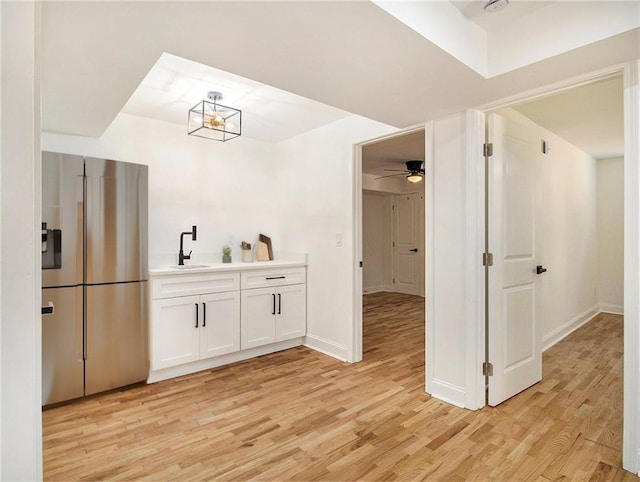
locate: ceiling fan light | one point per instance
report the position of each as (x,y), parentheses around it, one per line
(414,177)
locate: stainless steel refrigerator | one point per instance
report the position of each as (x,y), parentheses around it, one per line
(94,276)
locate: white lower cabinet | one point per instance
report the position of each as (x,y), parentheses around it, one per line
(273,314)
(174,338)
(202,323)
(191,328)
(196,317)
(220,324)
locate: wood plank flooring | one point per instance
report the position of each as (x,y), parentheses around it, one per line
(300,415)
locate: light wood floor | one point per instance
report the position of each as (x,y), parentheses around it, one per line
(300,415)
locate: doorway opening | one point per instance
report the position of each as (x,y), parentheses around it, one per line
(392,248)
(560,215)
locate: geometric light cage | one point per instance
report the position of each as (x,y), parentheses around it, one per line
(214,121)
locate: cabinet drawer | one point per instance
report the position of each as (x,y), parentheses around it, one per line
(276,277)
(194,284)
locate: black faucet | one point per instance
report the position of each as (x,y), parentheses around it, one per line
(181,255)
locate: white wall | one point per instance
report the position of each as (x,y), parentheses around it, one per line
(631,417)
(298,192)
(568,241)
(446,248)
(567,237)
(378,250)
(20,420)
(226,189)
(610,203)
(376,241)
(314,179)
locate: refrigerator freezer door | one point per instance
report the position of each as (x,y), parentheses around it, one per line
(116,221)
(62,364)
(62,208)
(116,336)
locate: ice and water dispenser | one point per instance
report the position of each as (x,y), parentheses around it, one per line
(51,248)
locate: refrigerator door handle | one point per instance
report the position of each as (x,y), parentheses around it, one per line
(82,339)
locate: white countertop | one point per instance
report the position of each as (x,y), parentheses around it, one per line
(173,270)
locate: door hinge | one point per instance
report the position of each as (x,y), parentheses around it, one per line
(393,207)
(487,369)
(393,244)
(393,280)
(487,149)
(487,259)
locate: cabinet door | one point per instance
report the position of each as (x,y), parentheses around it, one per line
(258,325)
(174,336)
(220,329)
(291,312)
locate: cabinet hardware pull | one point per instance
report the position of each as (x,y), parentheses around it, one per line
(275,277)
(204,315)
(279,303)
(196,314)
(273,311)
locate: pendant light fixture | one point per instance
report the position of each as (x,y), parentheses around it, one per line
(215,121)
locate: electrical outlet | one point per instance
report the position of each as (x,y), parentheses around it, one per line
(339,240)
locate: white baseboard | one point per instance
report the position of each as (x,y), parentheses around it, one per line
(372,289)
(569,327)
(327,347)
(187,368)
(447,392)
(612,309)
(378,289)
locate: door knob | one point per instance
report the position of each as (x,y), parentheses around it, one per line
(540,269)
(414,250)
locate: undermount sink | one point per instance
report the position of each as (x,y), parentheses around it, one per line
(189,266)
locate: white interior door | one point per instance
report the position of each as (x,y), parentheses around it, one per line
(408,243)
(515,347)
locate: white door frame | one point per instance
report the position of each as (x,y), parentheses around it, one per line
(631,77)
(355,341)
(474,304)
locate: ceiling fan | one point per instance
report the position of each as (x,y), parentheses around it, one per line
(413,173)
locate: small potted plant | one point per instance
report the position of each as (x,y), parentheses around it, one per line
(226,254)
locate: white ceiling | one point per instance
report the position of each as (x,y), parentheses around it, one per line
(174,85)
(474,11)
(523,33)
(590,117)
(349,55)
